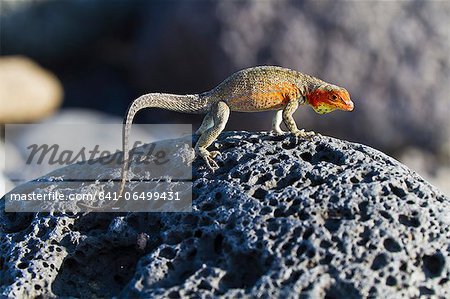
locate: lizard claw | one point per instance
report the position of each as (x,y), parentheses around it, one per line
(277,132)
(303,134)
(212,165)
(318,136)
(214,154)
(208,157)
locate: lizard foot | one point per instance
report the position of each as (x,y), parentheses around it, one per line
(303,134)
(277,132)
(214,154)
(209,158)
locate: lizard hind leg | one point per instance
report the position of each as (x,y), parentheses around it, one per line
(207,123)
(220,113)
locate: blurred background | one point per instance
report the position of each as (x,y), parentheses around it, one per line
(85,61)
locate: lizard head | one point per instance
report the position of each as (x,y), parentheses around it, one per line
(327,98)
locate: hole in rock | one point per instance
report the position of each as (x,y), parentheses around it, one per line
(99,273)
(433,264)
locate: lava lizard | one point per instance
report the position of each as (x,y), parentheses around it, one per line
(254,89)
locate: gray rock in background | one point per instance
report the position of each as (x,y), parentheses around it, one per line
(281,218)
(54,31)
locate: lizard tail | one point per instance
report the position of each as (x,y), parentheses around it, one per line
(194,104)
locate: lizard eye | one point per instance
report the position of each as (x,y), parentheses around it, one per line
(334,97)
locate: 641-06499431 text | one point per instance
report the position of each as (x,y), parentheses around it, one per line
(150,195)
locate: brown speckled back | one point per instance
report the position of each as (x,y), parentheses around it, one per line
(262,88)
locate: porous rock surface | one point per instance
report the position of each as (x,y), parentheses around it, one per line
(282,217)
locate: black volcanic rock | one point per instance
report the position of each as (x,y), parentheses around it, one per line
(281,218)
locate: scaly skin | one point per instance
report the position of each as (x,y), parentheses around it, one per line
(250,90)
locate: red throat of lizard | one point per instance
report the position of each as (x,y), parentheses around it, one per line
(316,97)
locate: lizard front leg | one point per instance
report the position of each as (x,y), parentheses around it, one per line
(276,122)
(220,113)
(289,121)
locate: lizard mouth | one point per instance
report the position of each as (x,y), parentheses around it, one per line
(349,106)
